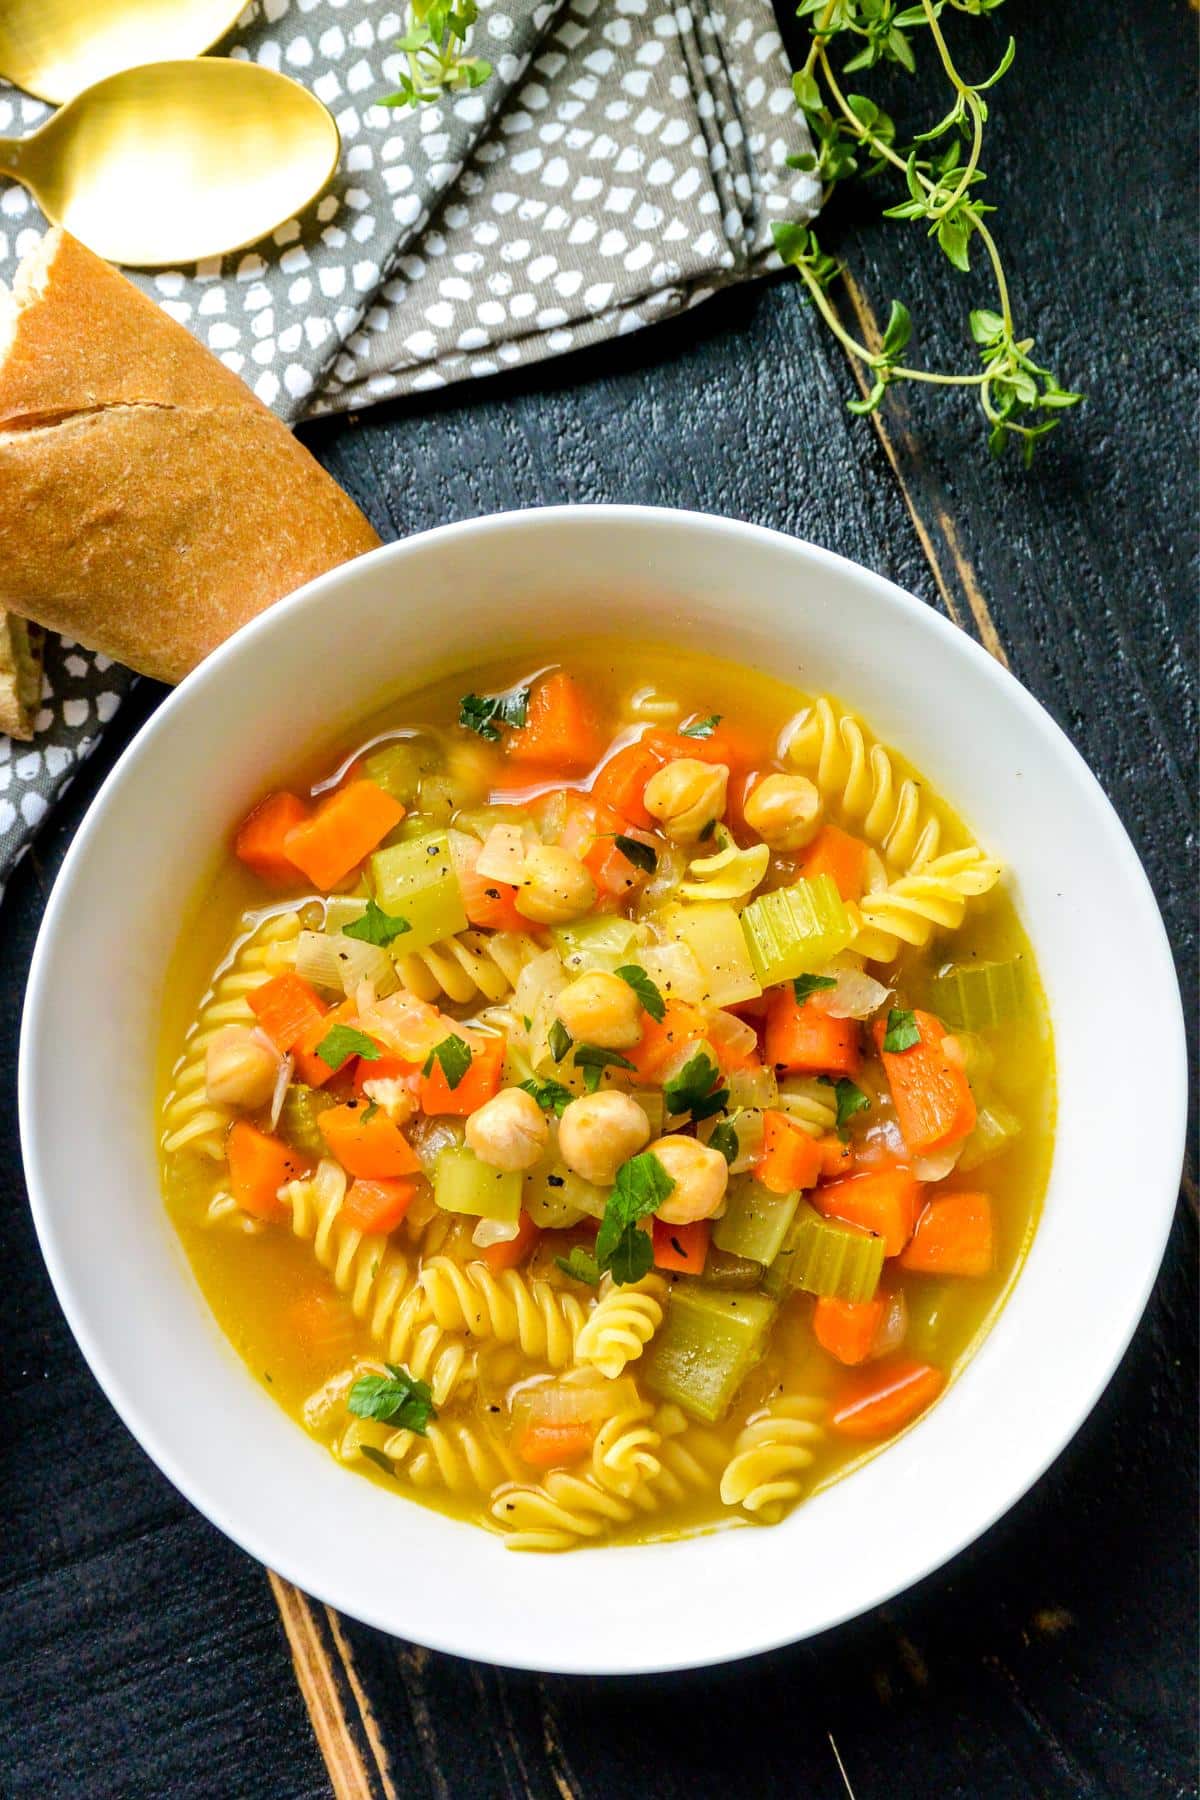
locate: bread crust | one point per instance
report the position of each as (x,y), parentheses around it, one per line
(149,503)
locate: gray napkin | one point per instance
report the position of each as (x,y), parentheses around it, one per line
(623,162)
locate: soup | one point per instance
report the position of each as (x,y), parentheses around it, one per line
(606,1108)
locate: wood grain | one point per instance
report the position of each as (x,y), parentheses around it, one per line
(141,1654)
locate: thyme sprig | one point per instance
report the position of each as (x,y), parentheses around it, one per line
(852,135)
(435,45)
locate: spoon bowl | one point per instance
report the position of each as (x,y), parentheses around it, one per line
(175,161)
(56,48)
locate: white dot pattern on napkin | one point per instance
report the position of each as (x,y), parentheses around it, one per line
(624,161)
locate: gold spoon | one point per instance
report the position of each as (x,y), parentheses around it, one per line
(177,160)
(56,48)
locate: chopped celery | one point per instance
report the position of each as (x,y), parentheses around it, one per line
(756,1086)
(939,1317)
(972,996)
(398,766)
(439,798)
(416,881)
(463,1184)
(709,1341)
(600,942)
(712,932)
(795,930)
(317,959)
(995,1128)
(556,1198)
(302,1106)
(755,1221)
(723,1270)
(823,1256)
(414,825)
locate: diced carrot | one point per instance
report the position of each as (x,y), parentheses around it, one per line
(803,1039)
(663,1039)
(953,1236)
(259,1165)
(481,1081)
(321,1322)
(486,902)
(287,1007)
(377,1206)
(681,1248)
(512,1253)
(610,868)
(259,840)
(561,730)
(546,1446)
(368,1144)
(790,1158)
(723,745)
(834,852)
(934,1103)
(311,1067)
(884,1203)
(885,1397)
(621,782)
(847,1328)
(345,827)
(837,1159)
(384,1068)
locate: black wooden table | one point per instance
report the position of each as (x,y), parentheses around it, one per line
(141,1654)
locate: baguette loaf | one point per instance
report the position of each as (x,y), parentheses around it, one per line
(149,503)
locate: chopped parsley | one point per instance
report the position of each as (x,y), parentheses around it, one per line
(341,1042)
(580,1265)
(702,728)
(484,713)
(559,1040)
(453,1055)
(396,1398)
(377,1457)
(850,1099)
(551,1096)
(642,856)
(725,1139)
(593,1060)
(692,1090)
(376,926)
(646,991)
(622,1247)
(902,1032)
(708,831)
(806,985)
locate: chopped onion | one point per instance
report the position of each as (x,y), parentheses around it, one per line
(429,1137)
(360,962)
(403,1024)
(582,1397)
(502,857)
(856,996)
(672,865)
(286,1064)
(892,1327)
(939,1165)
(317,960)
(674,971)
(544,975)
(727,1031)
(495,1231)
(394,1095)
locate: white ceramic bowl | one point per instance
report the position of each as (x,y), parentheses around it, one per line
(524,584)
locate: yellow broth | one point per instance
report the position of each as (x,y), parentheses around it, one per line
(294,1330)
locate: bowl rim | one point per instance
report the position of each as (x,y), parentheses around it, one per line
(977,1518)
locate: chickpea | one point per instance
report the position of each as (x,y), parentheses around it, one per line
(240,1068)
(700,1176)
(686,796)
(598,1132)
(556,887)
(510,1131)
(785,810)
(600,1008)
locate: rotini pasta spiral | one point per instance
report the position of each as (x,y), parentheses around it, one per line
(772,1451)
(729,874)
(465,967)
(810,1104)
(460,1456)
(554,1514)
(621,1324)
(508,1307)
(624,1453)
(374,1275)
(910,908)
(224,1213)
(191,1120)
(857,773)
(417,1341)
